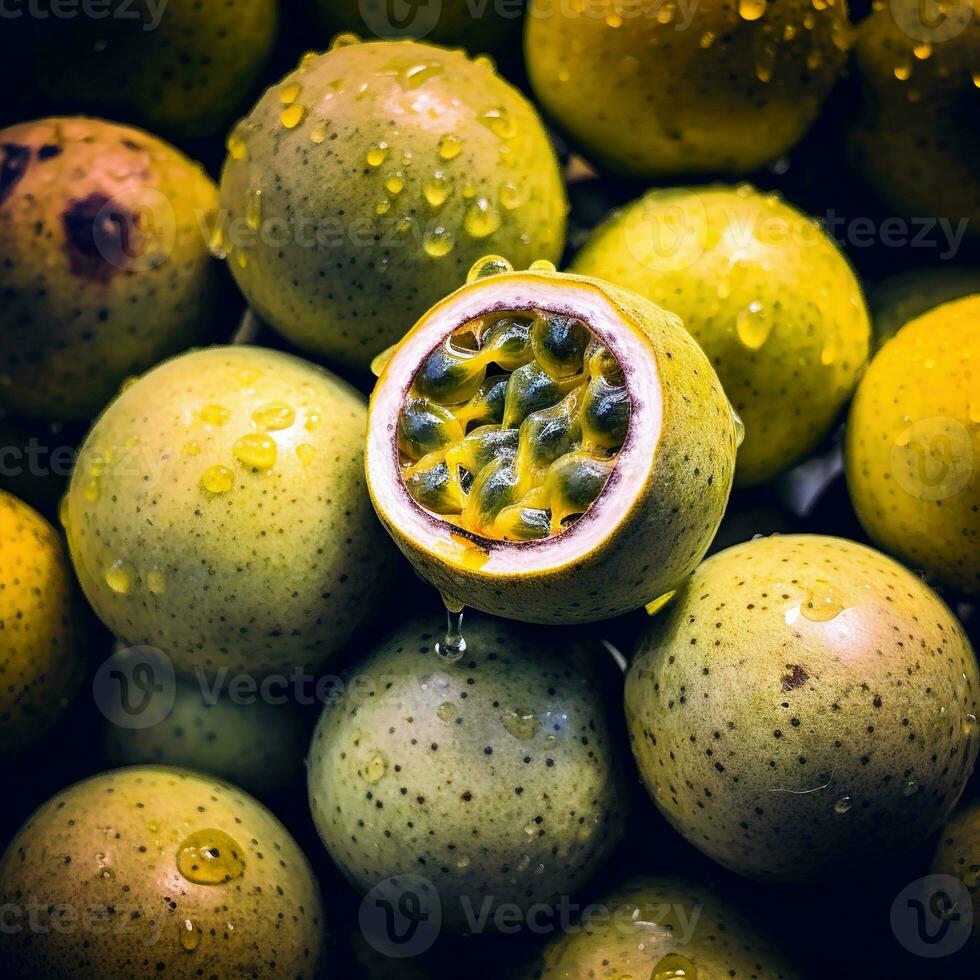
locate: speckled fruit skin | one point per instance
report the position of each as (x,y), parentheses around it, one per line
(105,265)
(653,98)
(40,660)
(340,265)
(180,68)
(279,571)
(670,525)
(714,938)
(734,263)
(787,739)
(111,842)
(916,141)
(907,295)
(435,768)
(958,854)
(913,445)
(478,28)
(257,745)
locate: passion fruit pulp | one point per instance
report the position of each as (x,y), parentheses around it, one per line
(550,448)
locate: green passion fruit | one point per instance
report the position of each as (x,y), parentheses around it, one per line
(550,448)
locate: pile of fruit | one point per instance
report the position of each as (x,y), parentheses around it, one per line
(377,600)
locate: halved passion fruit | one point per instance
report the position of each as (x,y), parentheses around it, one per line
(550,448)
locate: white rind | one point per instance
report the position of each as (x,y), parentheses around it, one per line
(633,466)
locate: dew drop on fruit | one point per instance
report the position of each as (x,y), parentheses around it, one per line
(481,219)
(305,453)
(217,479)
(438,242)
(377,154)
(255,450)
(190,448)
(274,416)
(969,725)
(235,144)
(253,210)
(843,804)
(345,40)
(450,147)
(499,122)
(375,768)
(822,604)
(119,576)
(190,937)
(292,115)
(290,93)
(453,645)
(675,967)
(521,723)
(739,426)
(751,9)
(753,325)
(446,711)
(214,414)
(489,265)
(437,189)
(319,131)
(91,491)
(395,183)
(541,265)
(210,857)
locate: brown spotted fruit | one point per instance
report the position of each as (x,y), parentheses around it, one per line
(913,445)
(41,661)
(496,776)
(218,512)
(550,448)
(157,871)
(361,188)
(105,267)
(804,703)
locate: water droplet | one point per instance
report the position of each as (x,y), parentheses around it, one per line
(829,353)
(450,147)
(463,863)
(910,788)
(214,414)
(969,724)
(253,210)
(189,936)
(707,39)
(274,416)
(753,325)
(319,131)
(675,967)
(489,265)
(542,265)
(843,804)
(614,20)
(395,183)
(155,582)
(438,241)
(345,40)
(446,711)
(190,448)
(377,154)
(751,9)
(520,723)
(375,767)
(91,491)
(292,115)
(739,425)
(922,50)
(437,189)
(305,453)
(217,479)
(482,219)
(210,857)
(288,94)
(453,645)
(822,604)
(313,418)
(255,450)
(500,123)
(903,72)
(235,144)
(119,576)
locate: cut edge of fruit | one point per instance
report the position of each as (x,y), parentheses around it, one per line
(501,294)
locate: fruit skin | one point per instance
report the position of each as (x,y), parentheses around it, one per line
(912,451)
(280,571)
(802,705)
(443,773)
(710,254)
(182,70)
(906,296)
(915,142)
(648,98)
(457,23)
(41,659)
(661,539)
(111,842)
(256,744)
(106,268)
(327,270)
(958,854)
(712,936)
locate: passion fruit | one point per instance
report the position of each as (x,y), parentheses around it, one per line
(802,705)
(106,270)
(772,301)
(158,871)
(41,659)
(958,855)
(550,448)
(660,90)
(916,141)
(218,512)
(363,186)
(497,775)
(913,445)
(181,67)
(662,929)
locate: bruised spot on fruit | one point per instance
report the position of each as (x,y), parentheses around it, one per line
(48,151)
(796,677)
(97,236)
(513,425)
(14,166)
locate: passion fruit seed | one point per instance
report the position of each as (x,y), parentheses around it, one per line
(520,455)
